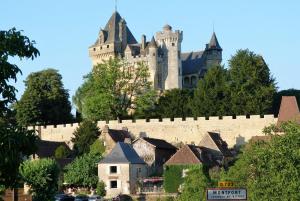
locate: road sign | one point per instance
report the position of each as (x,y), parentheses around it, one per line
(214,194)
(226,184)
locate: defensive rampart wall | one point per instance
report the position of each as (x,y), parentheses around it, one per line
(234,131)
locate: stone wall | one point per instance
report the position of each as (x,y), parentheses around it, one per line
(233,131)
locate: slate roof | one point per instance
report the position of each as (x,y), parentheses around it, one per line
(214,44)
(221,144)
(152,42)
(111,30)
(159,143)
(289,110)
(192,62)
(122,153)
(47,149)
(118,135)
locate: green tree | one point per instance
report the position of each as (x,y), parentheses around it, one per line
(145,105)
(45,101)
(15,142)
(111,90)
(174,103)
(278,95)
(211,97)
(270,170)
(61,152)
(83,171)
(195,184)
(84,136)
(100,190)
(251,84)
(97,148)
(42,177)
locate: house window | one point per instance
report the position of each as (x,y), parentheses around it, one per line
(113,184)
(113,169)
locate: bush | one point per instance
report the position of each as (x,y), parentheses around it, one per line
(61,152)
(173,177)
(42,177)
(100,190)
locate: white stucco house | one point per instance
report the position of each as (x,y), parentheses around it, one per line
(121,169)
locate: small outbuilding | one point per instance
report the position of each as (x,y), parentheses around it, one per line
(155,152)
(121,170)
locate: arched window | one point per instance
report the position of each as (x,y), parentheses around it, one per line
(194,80)
(186,81)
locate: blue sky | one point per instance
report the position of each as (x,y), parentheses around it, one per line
(64,29)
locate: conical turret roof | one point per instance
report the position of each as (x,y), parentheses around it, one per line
(153,43)
(214,44)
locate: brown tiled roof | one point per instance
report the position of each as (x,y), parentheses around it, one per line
(221,144)
(289,110)
(188,154)
(159,143)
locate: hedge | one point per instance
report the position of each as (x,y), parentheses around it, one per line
(173,177)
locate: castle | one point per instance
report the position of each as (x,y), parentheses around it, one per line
(169,68)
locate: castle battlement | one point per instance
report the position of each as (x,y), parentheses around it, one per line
(234,130)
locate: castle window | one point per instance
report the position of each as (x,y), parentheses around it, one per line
(173,44)
(94,49)
(186,81)
(107,46)
(101,48)
(153,54)
(194,80)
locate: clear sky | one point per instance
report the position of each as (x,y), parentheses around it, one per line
(64,29)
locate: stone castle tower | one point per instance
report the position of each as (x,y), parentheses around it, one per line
(169,68)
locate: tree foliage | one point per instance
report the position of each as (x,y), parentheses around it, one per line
(83,171)
(84,136)
(100,190)
(251,85)
(270,170)
(211,97)
(42,177)
(97,147)
(12,44)
(61,152)
(195,184)
(112,90)
(174,103)
(15,142)
(45,101)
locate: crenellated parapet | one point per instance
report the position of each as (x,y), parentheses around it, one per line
(234,130)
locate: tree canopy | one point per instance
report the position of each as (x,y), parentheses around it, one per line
(83,171)
(42,177)
(251,84)
(15,142)
(84,136)
(211,97)
(45,101)
(112,89)
(270,170)
(174,103)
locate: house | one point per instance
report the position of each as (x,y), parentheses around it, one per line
(216,147)
(111,137)
(190,155)
(121,170)
(155,152)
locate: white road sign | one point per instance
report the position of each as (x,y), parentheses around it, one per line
(226,194)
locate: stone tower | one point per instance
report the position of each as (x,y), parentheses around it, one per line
(213,52)
(170,44)
(112,40)
(153,62)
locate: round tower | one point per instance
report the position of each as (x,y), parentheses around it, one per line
(153,62)
(170,43)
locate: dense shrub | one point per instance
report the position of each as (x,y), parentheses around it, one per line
(61,152)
